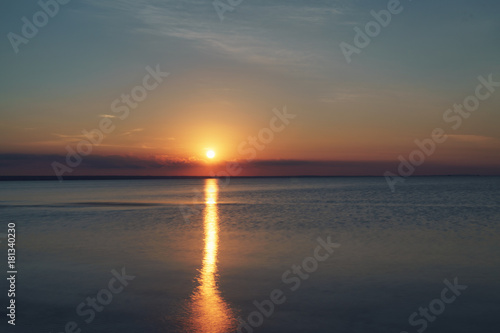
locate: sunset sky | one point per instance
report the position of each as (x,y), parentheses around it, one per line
(226,78)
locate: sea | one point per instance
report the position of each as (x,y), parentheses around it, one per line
(304,254)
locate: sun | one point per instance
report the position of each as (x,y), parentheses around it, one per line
(210,154)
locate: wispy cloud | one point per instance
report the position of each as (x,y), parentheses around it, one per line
(196,23)
(69,137)
(473,138)
(135,130)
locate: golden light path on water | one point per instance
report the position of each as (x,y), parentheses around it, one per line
(208,310)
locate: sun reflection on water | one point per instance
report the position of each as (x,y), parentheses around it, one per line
(208,310)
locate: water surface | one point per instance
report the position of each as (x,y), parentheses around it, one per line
(203,251)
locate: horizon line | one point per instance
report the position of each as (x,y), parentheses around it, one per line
(121,177)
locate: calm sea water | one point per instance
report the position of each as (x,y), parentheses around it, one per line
(202,252)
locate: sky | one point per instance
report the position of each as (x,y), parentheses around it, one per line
(266,85)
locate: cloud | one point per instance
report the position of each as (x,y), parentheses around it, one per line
(164,165)
(472,138)
(135,130)
(35,164)
(256,38)
(69,137)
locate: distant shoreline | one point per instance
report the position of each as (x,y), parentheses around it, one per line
(72,178)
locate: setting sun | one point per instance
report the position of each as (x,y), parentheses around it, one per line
(210,154)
